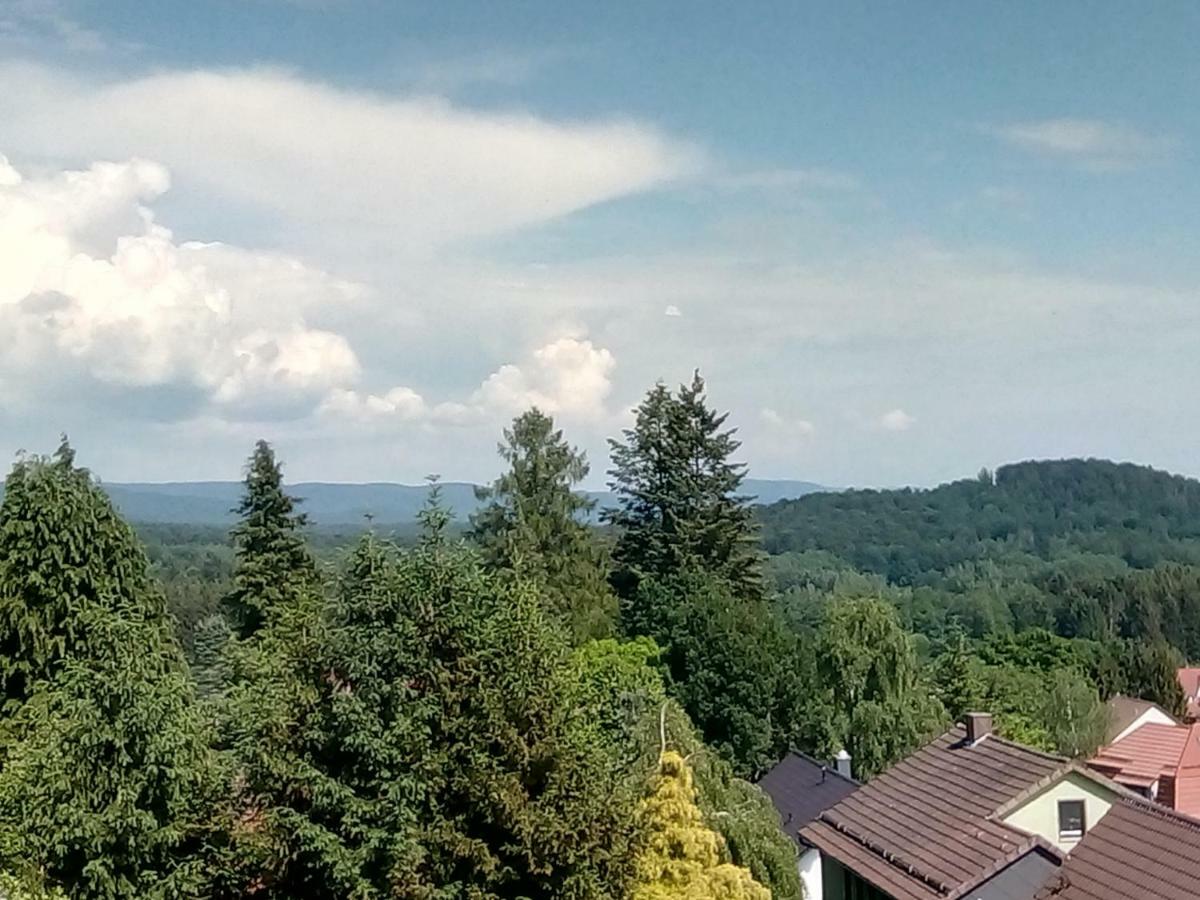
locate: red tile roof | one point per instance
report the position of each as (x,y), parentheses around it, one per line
(1189,680)
(1139,851)
(1167,754)
(924,828)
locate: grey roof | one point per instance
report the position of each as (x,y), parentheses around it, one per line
(802,788)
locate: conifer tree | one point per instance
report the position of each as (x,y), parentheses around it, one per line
(682,857)
(677,493)
(273,567)
(107,779)
(210,651)
(534,524)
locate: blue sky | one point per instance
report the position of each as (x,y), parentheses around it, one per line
(903,241)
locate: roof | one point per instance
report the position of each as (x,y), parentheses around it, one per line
(927,828)
(1189,680)
(802,788)
(1138,851)
(1125,711)
(1154,753)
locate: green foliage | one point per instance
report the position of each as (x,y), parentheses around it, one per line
(534,524)
(730,662)
(210,654)
(63,552)
(272,566)
(107,782)
(676,488)
(1150,672)
(620,689)
(881,707)
(682,857)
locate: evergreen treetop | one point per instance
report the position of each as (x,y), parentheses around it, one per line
(676,488)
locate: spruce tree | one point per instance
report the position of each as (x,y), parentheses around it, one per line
(210,651)
(272,567)
(677,488)
(107,778)
(534,524)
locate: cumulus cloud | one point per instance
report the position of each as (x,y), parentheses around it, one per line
(93,291)
(1091,143)
(786,426)
(672,311)
(896,420)
(568,377)
(417,172)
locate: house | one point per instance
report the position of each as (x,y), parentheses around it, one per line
(801,789)
(1127,714)
(1189,680)
(1160,762)
(970,816)
(1139,851)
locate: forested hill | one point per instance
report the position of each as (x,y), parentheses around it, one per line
(1042,509)
(213,502)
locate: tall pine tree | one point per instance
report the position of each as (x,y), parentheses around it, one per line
(273,568)
(107,782)
(677,491)
(534,524)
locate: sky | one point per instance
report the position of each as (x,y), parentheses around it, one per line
(900,241)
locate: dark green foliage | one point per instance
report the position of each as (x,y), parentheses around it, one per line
(107,782)
(677,493)
(272,567)
(211,648)
(880,705)
(63,551)
(730,663)
(1150,672)
(418,739)
(534,523)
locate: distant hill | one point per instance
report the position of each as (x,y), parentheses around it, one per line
(212,502)
(1039,509)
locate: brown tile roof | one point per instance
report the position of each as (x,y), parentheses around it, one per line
(925,828)
(1138,851)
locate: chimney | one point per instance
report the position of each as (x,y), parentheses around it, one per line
(842,763)
(979,726)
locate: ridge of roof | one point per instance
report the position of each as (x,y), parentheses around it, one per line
(831,770)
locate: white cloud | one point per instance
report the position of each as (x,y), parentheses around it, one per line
(568,377)
(93,291)
(335,165)
(782,425)
(896,420)
(1091,143)
(672,311)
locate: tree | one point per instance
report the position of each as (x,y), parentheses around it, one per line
(1151,673)
(534,524)
(1076,719)
(272,565)
(677,497)
(63,551)
(210,648)
(881,705)
(108,784)
(730,663)
(682,857)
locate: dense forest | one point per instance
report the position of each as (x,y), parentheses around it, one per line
(548,699)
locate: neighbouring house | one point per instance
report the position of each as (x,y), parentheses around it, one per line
(1189,680)
(1140,851)
(970,816)
(1127,714)
(1159,762)
(802,788)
